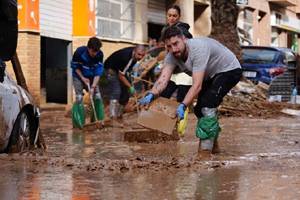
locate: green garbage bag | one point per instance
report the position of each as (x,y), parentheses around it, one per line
(207,127)
(78,115)
(99,107)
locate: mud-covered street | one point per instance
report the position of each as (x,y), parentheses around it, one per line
(259,159)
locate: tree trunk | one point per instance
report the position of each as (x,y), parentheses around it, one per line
(224,24)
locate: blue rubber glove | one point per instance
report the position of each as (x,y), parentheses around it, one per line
(180,111)
(146,99)
(131,90)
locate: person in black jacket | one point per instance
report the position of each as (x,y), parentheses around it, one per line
(179,81)
(8,32)
(173,19)
(118,67)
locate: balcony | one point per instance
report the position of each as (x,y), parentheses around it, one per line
(285,22)
(284,3)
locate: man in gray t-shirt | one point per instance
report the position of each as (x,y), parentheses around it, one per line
(204,55)
(214,69)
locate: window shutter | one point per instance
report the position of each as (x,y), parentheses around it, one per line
(115,19)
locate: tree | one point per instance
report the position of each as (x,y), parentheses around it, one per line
(224,24)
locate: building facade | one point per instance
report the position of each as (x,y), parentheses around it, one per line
(270,23)
(50,31)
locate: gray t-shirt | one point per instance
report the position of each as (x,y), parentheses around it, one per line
(206,55)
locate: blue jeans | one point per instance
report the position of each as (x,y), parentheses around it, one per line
(2,70)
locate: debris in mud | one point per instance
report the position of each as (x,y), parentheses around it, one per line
(143,135)
(291,112)
(250,100)
(124,165)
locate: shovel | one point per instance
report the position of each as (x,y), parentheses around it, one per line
(97,124)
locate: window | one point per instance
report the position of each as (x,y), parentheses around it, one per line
(274,37)
(245,25)
(259,56)
(278,18)
(115,19)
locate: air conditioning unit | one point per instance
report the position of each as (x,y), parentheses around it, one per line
(242,2)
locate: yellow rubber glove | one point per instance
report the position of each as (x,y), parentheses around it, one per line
(181,125)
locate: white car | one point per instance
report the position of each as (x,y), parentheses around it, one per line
(19,117)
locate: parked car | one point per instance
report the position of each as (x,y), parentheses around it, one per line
(263,64)
(19,117)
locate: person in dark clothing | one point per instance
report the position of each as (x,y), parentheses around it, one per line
(173,19)
(9,28)
(118,68)
(8,32)
(87,68)
(180,81)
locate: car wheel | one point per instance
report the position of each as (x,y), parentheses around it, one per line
(23,134)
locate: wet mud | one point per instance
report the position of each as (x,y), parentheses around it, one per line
(259,159)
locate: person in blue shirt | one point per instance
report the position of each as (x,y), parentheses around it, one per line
(87,67)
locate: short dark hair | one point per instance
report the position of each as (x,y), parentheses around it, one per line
(94,43)
(140,46)
(171,32)
(176,7)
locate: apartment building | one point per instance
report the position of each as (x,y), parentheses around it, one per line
(270,22)
(50,31)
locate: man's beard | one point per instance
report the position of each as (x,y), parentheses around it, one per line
(180,55)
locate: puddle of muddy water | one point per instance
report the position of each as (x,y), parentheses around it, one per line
(259,160)
(223,183)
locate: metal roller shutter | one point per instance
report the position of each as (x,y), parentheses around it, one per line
(56,19)
(157,11)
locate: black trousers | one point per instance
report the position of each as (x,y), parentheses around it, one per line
(117,90)
(214,90)
(2,71)
(170,89)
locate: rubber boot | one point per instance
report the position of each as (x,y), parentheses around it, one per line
(99,107)
(207,144)
(208,129)
(216,148)
(113,108)
(211,145)
(78,115)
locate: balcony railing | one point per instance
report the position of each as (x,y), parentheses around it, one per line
(284,3)
(285,22)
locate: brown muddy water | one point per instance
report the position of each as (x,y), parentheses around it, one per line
(259,159)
